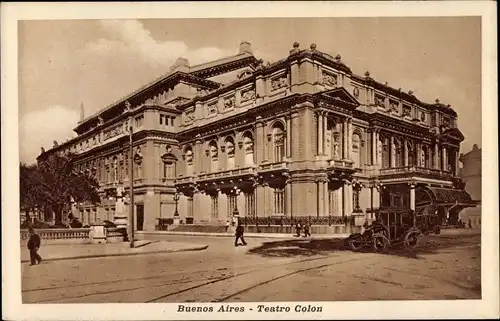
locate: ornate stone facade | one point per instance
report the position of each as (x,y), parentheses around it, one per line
(320,148)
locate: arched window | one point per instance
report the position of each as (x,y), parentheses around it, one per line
(356,150)
(230,151)
(189,161)
(398,153)
(411,153)
(386,153)
(278,142)
(214,156)
(248,145)
(424,162)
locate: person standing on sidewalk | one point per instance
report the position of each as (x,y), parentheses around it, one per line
(306,230)
(34,243)
(298,228)
(239,235)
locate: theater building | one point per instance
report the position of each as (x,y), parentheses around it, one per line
(302,136)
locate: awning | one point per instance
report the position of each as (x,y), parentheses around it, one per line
(449,196)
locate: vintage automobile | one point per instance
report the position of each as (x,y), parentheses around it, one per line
(394,227)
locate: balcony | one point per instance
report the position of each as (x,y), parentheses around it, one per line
(414,171)
(273,167)
(227,174)
(185,180)
(340,164)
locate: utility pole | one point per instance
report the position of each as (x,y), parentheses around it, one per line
(131,176)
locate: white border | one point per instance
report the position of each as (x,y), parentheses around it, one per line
(488,307)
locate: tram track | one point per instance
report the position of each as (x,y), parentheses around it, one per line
(253,268)
(279,276)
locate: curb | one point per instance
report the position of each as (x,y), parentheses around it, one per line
(250,235)
(199,248)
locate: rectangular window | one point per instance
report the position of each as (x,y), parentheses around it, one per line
(168,170)
(250,204)
(161,119)
(215,207)
(279,201)
(231,204)
(172,121)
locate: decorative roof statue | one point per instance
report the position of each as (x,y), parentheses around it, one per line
(100,121)
(295,48)
(313,46)
(42,150)
(338,58)
(127,106)
(410,92)
(56,144)
(367,74)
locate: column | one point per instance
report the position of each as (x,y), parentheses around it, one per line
(325,198)
(457,161)
(325,128)
(198,154)
(339,201)
(196,205)
(288,198)
(347,204)
(288,137)
(374,147)
(344,140)
(320,133)
(445,159)
(405,149)
(392,152)
(320,204)
(349,138)
(260,200)
(436,156)
(412,197)
(259,141)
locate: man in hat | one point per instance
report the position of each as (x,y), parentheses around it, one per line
(239,234)
(33,246)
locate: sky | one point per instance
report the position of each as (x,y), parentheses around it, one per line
(66,63)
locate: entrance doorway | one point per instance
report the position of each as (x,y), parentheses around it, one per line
(140,217)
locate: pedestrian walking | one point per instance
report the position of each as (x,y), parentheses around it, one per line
(298,228)
(33,246)
(306,230)
(239,235)
(470,224)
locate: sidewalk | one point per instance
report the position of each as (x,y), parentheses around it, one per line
(289,236)
(83,251)
(247,235)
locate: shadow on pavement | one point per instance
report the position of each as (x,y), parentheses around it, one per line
(306,247)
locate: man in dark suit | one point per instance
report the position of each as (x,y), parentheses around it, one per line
(239,235)
(33,246)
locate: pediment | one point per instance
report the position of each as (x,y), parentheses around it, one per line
(341,94)
(453,134)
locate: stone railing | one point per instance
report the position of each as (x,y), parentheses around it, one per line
(227,173)
(61,234)
(340,163)
(415,170)
(273,166)
(72,235)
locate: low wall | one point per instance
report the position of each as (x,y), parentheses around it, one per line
(314,229)
(72,235)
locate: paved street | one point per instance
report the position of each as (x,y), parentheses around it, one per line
(444,267)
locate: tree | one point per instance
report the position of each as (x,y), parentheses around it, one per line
(28,189)
(54,181)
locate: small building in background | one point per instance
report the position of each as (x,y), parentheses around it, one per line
(471,176)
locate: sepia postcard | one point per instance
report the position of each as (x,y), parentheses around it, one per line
(249,160)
